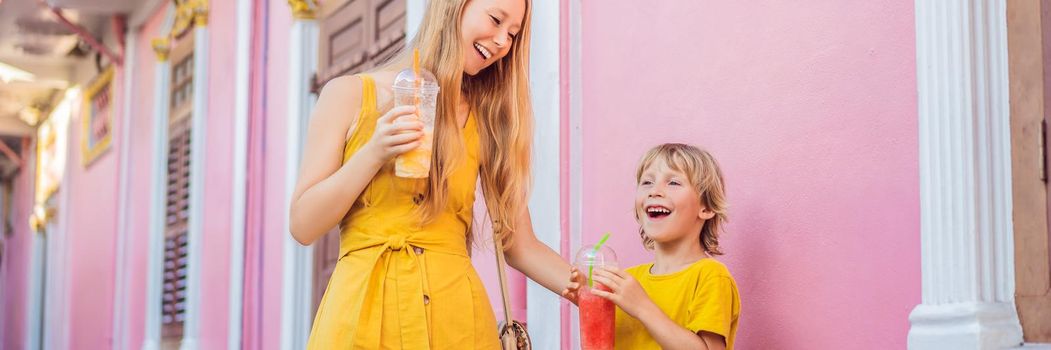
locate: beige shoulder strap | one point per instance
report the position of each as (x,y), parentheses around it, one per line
(500,270)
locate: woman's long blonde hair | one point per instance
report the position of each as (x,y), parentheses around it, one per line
(499,97)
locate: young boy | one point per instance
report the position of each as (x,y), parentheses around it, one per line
(684,299)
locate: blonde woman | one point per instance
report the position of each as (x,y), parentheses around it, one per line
(404,279)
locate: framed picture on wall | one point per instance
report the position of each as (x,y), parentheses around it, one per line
(97,117)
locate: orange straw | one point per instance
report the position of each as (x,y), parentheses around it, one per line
(418,82)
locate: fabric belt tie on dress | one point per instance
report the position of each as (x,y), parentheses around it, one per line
(395,259)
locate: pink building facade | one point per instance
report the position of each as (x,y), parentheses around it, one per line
(853,176)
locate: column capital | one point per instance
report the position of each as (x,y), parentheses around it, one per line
(161,47)
(200,13)
(303,9)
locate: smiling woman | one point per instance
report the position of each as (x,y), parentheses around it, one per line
(404,278)
(488,32)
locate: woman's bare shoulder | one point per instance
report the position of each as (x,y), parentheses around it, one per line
(384,80)
(383,77)
(339,101)
(342,87)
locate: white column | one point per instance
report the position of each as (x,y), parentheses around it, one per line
(242,97)
(965,182)
(120,295)
(542,314)
(297,303)
(198,149)
(35,311)
(158,196)
(414,10)
(576,148)
(51,334)
(58,299)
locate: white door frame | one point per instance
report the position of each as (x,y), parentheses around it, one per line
(298,282)
(576,148)
(545,204)
(239,183)
(120,308)
(158,185)
(35,311)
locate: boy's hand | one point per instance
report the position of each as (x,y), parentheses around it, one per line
(576,280)
(626,293)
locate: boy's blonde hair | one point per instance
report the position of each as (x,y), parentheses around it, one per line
(499,98)
(703,173)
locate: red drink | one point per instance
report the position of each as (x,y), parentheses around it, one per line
(596,320)
(597,315)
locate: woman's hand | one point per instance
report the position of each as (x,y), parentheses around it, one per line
(576,280)
(626,292)
(398,131)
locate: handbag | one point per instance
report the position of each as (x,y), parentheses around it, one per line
(513,334)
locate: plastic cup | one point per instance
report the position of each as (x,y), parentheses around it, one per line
(596,314)
(420,91)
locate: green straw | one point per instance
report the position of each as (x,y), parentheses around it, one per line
(591,281)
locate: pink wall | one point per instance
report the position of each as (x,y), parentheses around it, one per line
(215,259)
(91,231)
(811,110)
(256,206)
(140,176)
(275,105)
(18,251)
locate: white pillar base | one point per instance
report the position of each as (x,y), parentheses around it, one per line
(962,326)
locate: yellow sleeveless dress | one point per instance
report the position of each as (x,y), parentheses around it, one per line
(399,284)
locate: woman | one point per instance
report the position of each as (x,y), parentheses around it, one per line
(404,278)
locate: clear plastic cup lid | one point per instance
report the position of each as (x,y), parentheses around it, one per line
(407,79)
(588,256)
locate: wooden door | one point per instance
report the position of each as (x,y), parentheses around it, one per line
(1029,54)
(355,36)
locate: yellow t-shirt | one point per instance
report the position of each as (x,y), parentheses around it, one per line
(701,297)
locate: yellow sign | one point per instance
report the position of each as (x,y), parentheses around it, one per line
(97,117)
